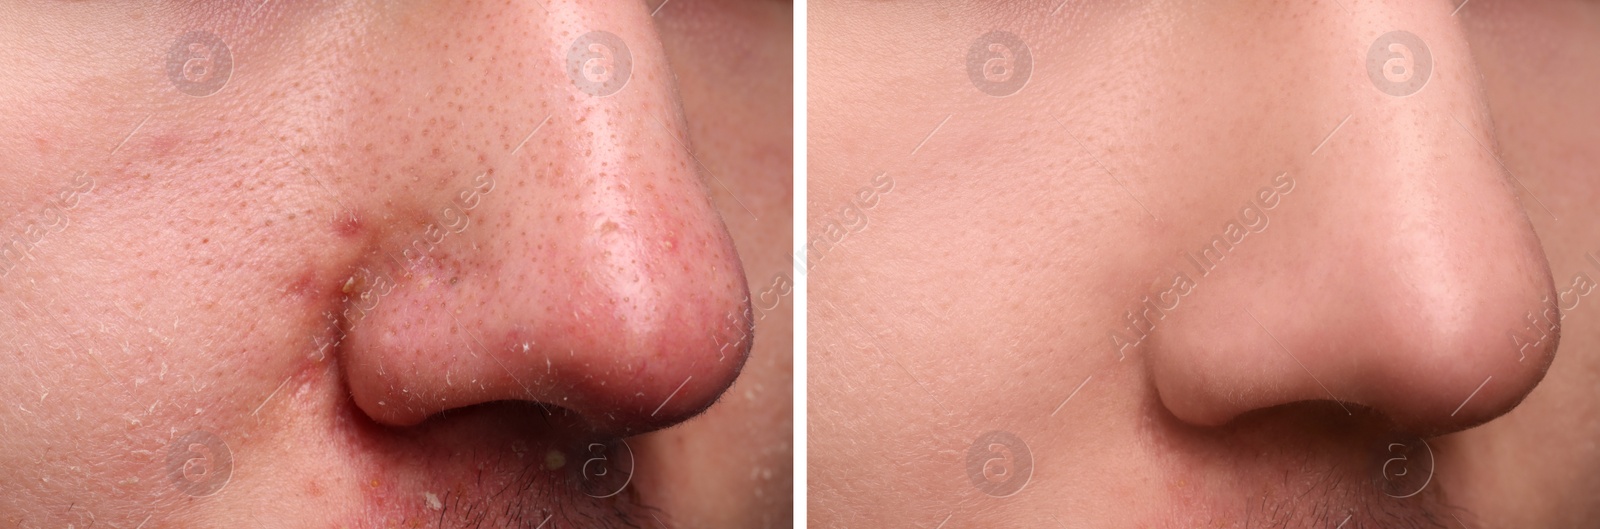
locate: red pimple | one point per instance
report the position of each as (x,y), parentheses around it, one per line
(303,285)
(347,224)
(670,243)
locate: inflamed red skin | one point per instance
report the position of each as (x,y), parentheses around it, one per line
(374,264)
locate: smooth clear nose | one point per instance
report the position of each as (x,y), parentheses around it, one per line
(1394,269)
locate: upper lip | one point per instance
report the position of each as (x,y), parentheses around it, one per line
(1302,466)
(500,464)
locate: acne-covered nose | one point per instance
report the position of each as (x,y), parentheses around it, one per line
(1393,272)
(587,271)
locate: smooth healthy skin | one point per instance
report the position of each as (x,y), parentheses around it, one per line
(1211,264)
(379,264)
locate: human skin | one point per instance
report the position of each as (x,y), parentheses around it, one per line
(1371,288)
(401,269)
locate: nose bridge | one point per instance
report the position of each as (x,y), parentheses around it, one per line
(1395,274)
(1417,190)
(597,277)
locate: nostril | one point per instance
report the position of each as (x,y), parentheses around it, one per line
(1426,369)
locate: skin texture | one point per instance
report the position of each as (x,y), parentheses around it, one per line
(1387,286)
(401,268)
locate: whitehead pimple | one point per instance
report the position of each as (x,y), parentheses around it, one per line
(433,501)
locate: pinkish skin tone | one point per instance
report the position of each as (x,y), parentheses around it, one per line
(355,266)
(1393,271)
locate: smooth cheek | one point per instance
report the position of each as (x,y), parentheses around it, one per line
(917,366)
(144,356)
(1537,463)
(173,297)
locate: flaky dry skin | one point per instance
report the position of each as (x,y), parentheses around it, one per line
(373,264)
(1210,266)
